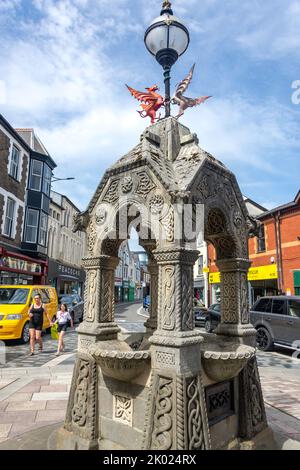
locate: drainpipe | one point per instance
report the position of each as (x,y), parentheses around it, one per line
(279,251)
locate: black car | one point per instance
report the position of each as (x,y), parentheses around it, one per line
(200,315)
(213,317)
(277,321)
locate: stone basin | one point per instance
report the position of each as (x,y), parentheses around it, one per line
(223,359)
(121,363)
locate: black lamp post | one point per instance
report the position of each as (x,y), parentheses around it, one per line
(167,39)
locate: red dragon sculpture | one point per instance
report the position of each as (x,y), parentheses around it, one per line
(151,102)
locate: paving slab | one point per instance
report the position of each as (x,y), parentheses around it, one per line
(47,396)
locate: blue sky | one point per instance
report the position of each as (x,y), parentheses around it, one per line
(64,63)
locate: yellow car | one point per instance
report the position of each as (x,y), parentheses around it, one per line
(15,302)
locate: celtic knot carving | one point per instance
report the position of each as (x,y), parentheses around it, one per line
(204,188)
(123,409)
(156,204)
(244,299)
(196,439)
(127,184)
(162,432)
(91,294)
(80,407)
(216,222)
(112,192)
(225,247)
(168,224)
(145,184)
(187,300)
(168,298)
(91,237)
(229,289)
(107,296)
(255,395)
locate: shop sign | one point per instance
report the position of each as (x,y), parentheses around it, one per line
(118,282)
(263,273)
(20,265)
(67,270)
(126,284)
(260,273)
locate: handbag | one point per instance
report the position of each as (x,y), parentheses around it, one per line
(54,332)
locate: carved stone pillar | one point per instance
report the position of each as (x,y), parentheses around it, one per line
(175,314)
(252,414)
(234,299)
(176,415)
(98,321)
(151,323)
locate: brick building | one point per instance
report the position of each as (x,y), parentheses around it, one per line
(279,245)
(275,255)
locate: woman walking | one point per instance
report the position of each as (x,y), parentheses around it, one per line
(36,320)
(62,318)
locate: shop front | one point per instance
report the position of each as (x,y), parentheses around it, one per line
(262,282)
(17,269)
(66,279)
(131,292)
(297,282)
(118,290)
(125,291)
(199,290)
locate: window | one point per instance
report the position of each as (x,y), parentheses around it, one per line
(294,308)
(31,226)
(47,180)
(9,217)
(261,241)
(278,307)
(264,305)
(35,182)
(43,229)
(200,264)
(45,296)
(15,163)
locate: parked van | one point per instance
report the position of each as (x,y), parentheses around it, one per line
(15,302)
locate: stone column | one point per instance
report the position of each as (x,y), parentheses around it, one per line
(81,427)
(98,321)
(235,319)
(176,415)
(151,323)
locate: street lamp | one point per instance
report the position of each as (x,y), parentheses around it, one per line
(55,179)
(167,39)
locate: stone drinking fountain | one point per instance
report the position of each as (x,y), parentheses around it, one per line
(181,389)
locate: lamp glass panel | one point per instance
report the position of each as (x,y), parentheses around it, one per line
(178,39)
(156,39)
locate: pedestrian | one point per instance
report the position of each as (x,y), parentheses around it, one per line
(36,320)
(62,318)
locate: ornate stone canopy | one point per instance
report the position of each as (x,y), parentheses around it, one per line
(170,190)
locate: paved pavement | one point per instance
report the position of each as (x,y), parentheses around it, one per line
(34,390)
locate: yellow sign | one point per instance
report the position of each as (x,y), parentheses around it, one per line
(205,270)
(215,278)
(260,273)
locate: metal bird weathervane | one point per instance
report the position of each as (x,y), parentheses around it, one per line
(183,101)
(167,39)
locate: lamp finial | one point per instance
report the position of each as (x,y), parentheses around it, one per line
(167,7)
